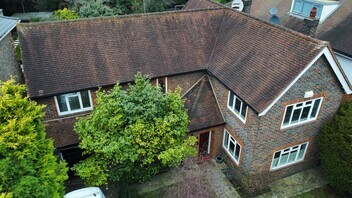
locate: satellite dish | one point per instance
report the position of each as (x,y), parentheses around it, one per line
(273,11)
(237,4)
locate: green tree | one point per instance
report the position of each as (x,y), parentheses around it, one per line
(131,135)
(335,144)
(94,8)
(65,14)
(28,167)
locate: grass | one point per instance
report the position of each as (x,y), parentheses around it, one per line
(323,192)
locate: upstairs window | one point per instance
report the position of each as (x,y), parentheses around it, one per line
(289,156)
(232,147)
(237,107)
(301,112)
(74,102)
(302,8)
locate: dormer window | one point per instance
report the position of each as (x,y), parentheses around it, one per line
(73,102)
(324,8)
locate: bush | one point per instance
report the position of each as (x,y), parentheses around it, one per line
(65,14)
(335,144)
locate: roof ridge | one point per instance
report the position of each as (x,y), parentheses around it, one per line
(138,15)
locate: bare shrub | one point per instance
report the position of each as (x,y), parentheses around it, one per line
(192,177)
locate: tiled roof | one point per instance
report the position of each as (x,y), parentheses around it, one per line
(201,4)
(253,58)
(340,36)
(6,25)
(203,109)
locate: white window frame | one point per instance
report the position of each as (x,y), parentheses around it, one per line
(232,108)
(165,80)
(288,151)
(301,107)
(69,111)
(235,142)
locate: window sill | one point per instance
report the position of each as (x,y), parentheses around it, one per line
(286,166)
(75,113)
(232,159)
(297,125)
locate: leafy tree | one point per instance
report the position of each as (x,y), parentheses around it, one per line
(65,14)
(92,8)
(132,134)
(335,142)
(28,167)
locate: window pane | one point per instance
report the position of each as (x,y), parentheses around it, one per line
(62,103)
(307,7)
(237,105)
(315,108)
(301,151)
(297,7)
(244,111)
(85,99)
(232,148)
(295,116)
(283,159)
(305,113)
(231,99)
(74,103)
(237,153)
(226,139)
(288,115)
(276,159)
(292,157)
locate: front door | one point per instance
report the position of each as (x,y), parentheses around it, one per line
(204,144)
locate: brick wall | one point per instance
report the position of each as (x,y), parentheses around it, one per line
(262,136)
(8,60)
(269,138)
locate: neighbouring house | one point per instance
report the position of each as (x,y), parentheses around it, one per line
(333,23)
(9,65)
(256,93)
(27,17)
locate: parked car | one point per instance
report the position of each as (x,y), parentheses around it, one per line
(90,192)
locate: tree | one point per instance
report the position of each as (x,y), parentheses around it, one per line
(65,14)
(335,144)
(28,167)
(131,135)
(92,8)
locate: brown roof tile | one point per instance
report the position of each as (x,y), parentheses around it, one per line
(201,4)
(63,56)
(203,110)
(253,58)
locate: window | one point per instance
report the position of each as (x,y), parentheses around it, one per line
(73,102)
(289,156)
(162,82)
(237,107)
(301,112)
(232,147)
(302,8)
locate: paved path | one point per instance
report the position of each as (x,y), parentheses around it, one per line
(297,184)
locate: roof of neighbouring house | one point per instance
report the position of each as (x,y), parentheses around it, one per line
(6,25)
(27,16)
(338,19)
(203,109)
(254,59)
(201,4)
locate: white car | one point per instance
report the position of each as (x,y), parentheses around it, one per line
(90,192)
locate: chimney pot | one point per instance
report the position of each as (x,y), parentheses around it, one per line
(313,13)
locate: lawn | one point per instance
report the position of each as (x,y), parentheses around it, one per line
(323,192)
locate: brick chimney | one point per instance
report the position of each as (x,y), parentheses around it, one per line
(310,24)
(1,13)
(247,6)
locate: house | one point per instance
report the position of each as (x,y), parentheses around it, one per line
(8,62)
(256,93)
(333,23)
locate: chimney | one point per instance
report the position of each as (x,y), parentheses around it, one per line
(247,6)
(310,24)
(1,13)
